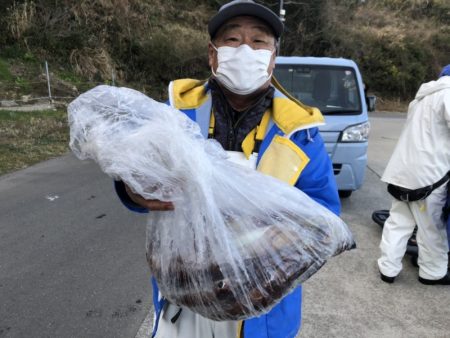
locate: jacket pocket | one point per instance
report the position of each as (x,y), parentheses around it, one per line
(283,159)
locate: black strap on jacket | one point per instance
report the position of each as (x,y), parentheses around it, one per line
(446,208)
(408,195)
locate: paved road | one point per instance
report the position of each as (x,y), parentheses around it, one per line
(72,261)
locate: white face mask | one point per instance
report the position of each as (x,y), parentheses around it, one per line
(242,70)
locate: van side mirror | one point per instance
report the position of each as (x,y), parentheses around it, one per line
(371,102)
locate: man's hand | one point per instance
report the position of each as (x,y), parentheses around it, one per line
(154,205)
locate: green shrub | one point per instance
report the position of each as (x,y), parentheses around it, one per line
(395,71)
(5,74)
(440,47)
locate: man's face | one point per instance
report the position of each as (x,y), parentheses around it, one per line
(243,30)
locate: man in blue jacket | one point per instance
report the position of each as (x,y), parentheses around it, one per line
(262,127)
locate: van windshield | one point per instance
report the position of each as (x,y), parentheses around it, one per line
(333,90)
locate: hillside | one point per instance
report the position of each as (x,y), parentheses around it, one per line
(145,43)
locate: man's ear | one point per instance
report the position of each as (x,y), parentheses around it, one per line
(212,56)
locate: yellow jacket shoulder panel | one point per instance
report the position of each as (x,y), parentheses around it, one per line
(187,93)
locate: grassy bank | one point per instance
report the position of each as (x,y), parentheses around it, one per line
(398,44)
(27,138)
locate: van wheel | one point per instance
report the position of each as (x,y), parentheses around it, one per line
(345,193)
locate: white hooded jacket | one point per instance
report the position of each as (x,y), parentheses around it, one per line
(422,154)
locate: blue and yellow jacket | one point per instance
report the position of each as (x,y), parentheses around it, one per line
(292,150)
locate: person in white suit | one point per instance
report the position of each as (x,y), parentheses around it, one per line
(416,175)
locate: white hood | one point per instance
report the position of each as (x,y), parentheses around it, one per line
(433,86)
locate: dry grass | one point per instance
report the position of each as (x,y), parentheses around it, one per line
(27,138)
(375,19)
(393,25)
(391,105)
(20,18)
(90,61)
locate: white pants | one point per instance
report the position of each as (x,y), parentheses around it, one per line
(191,325)
(431,236)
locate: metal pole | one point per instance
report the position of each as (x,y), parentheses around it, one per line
(281,14)
(48,82)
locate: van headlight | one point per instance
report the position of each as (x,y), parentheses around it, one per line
(356,133)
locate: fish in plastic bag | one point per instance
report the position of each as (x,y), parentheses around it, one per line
(238,240)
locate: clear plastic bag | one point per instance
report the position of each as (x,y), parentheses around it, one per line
(238,240)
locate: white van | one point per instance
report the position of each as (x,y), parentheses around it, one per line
(335,86)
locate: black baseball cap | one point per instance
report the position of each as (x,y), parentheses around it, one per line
(247,8)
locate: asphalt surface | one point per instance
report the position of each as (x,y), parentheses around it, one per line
(72,261)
